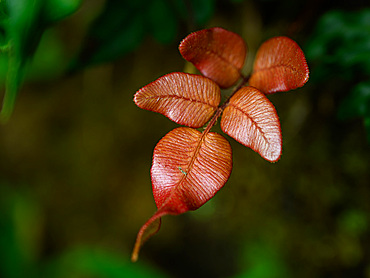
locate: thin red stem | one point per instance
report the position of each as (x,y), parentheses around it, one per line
(213,121)
(221,108)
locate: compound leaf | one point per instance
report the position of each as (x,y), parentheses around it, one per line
(187,99)
(280,66)
(188,169)
(251,119)
(217,53)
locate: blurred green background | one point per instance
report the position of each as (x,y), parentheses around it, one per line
(75,152)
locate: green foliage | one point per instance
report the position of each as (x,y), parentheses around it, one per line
(21,223)
(49,53)
(203,10)
(87,262)
(353,222)
(162,21)
(3,25)
(119,29)
(341,44)
(263,261)
(22,23)
(56,10)
(340,48)
(19,233)
(357,105)
(123,24)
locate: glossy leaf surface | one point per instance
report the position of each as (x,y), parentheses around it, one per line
(187,99)
(188,168)
(280,66)
(217,53)
(251,119)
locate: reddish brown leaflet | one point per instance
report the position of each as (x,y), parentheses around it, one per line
(279,66)
(189,167)
(251,119)
(217,53)
(186,99)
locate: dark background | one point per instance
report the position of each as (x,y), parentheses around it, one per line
(76,153)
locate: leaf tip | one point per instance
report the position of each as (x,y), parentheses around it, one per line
(251,119)
(274,157)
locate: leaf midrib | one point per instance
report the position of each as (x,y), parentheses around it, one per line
(292,68)
(180,184)
(180,97)
(253,122)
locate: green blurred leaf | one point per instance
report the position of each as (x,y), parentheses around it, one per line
(357,102)
(340,44)
(23,35)
(162,22)
(12,83)
(123,24)
(20,224)
(49,60)
(262,260)
(22,23)
(24,27)
(357,105)
(118,30)
(56,10)
(203,11)
(3,69)
(87,262)
(353,222)
(3,24)
(340,48)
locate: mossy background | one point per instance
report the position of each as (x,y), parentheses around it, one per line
(76,153)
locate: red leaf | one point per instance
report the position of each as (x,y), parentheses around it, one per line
(251,119)
(280,66)
(188,169)
(187,99)
(217,53)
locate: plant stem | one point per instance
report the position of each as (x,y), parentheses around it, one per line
(212,122)
(221,108)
